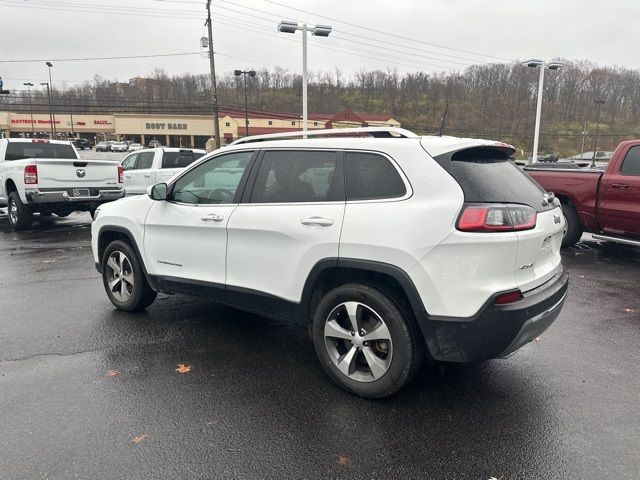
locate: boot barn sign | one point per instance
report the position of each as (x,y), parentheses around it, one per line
(167,126)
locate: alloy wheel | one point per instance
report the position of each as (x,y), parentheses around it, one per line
(13,211)
(358,341)
(120,276)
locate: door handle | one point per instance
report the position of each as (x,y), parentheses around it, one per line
(147,175)
(619,185)
(322,222)
(212,217)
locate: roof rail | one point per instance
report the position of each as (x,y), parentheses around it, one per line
(380,132)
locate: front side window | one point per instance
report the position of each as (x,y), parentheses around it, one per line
(631,163)
(214,181)
(179,159)
(371,176)
(145,161)
(297,176)
(129,163)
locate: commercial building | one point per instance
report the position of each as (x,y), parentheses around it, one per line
(175,130)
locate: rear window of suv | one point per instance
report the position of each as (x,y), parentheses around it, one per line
(487,175)
(371,176)
(22,150)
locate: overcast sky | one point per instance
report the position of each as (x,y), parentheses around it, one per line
(473,31)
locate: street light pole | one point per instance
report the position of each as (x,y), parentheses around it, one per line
(584,134)
(212,67)
(33,128)
(536,63)
(53,113)
(244,73)
(318,31)
(50,111)
(598,102)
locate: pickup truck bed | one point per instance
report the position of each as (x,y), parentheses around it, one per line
(605,202)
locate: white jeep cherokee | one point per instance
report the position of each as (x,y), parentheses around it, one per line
(391,246)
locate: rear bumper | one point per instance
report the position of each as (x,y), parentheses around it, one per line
(97,195)
(496,331)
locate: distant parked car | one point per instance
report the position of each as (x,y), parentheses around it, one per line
(81,143)
(154,144)
(119,147)
(135,146)
(103,147)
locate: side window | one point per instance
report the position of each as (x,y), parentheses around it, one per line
(214,181)
(179,159)
(631,163)
(145,161)
(371,176)
(129,163)
(297,176)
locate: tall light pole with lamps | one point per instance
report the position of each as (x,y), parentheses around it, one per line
(542,64)
(244,73)
(45,84)
(49,88)
(33,128)
(318,31)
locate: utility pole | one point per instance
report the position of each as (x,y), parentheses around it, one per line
(33,128)
(53,113)
(584,134)
(598,102)
(442,120)
(212,66)
(50,110)
(244,73)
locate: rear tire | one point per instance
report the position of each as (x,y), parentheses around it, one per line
(573,229)
(20,215)
(376,356)
(123,278)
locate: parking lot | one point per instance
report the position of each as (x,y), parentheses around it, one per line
(90,392)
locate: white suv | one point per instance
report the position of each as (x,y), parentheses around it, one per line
(390,246)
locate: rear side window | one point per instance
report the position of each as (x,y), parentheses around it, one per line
(631,163)
(179,159)
(22,150)
(371,176)
(297,176)
(486,175)
(145,161)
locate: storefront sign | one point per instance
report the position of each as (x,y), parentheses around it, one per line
(28,121)
(168,126)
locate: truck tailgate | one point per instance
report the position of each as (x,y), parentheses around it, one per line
(64,174)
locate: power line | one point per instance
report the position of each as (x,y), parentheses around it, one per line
(156,55)
(388,33)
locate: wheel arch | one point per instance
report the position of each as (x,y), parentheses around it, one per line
(108,234)
(10,186)
(333,272)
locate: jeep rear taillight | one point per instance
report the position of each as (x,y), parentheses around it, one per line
(31,175)
(120,174)
(496,217)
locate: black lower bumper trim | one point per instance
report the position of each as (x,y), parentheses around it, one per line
(497,330)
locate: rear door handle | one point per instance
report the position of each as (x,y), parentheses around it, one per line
(147,175)
(619,185)
(322,222)
(212,217)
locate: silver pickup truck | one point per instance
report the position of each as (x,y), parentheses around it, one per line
(49,177)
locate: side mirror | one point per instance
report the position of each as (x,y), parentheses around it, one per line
(158,191)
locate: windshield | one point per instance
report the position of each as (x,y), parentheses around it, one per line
(22,150)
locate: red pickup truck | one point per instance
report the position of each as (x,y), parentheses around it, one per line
(604,202)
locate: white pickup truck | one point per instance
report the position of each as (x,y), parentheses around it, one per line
(48,177)
(155,165)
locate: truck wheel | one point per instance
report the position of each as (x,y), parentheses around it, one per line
(366,341)
(573,229)
(123,278)
(20,215)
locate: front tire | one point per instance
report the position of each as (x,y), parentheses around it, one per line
(366,340)
(123,278)
(20,215)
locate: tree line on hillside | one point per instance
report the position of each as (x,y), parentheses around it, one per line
(494,101)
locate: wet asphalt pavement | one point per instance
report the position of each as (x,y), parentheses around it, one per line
(256,403)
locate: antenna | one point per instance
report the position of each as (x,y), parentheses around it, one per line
(442,120)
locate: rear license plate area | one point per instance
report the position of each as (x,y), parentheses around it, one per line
(79,192)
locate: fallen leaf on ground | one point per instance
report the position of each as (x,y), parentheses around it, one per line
(214,422)
(182,368)
(537,339)
(342,460)
(629,310)
(138,438)
(113,373)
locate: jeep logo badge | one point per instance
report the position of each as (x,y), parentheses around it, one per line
(80,173)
